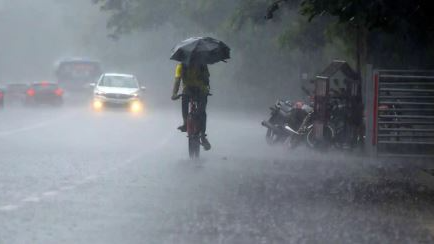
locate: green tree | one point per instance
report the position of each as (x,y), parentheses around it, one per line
(397,26)
(270,56)
(130,15)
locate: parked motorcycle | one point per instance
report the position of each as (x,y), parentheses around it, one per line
(303,133)
(293,124)
(289,124)
(279,117)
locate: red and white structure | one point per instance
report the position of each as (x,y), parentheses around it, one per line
(399,109)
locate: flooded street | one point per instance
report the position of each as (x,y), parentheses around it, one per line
(82,186)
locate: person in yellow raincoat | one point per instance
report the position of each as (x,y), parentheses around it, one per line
(195,82)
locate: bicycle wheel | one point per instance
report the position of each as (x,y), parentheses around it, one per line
(194,147)
(328,137)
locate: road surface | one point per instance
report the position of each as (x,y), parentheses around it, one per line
(71,176)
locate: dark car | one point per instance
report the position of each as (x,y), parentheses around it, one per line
(2,98)
(16,93)
(75,74)
(44,93)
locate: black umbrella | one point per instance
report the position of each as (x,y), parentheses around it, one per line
(201,50)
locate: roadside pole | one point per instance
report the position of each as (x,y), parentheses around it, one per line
(368,101)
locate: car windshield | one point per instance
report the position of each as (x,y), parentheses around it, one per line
(119,81)
(78,70)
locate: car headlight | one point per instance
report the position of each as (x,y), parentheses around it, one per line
(136,95)
(97,105)
(99,93)
(136,107)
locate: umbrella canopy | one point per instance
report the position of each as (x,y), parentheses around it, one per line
(201,50)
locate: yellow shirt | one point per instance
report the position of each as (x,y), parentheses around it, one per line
(193,77)
(178,71)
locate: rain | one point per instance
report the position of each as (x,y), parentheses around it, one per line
(203,121)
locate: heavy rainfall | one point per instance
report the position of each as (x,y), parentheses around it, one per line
(205,121)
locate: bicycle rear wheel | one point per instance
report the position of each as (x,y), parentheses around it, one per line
(194,147)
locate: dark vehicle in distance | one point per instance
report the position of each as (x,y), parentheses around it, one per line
(16,93)
(44,92)
(2,98)
(76,74)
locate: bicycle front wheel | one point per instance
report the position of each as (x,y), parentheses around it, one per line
(194,147)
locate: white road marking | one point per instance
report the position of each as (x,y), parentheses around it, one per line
(31,199)
(80,182)
(50,193)
(91,178)
(34,126)
(67,188)
(35,199)
(8,208)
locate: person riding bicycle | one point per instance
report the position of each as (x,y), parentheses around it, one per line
(195,82)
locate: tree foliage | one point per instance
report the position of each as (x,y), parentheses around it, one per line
(408,23)
(403,29)
(300,38)
(226,16)
(130,15)
(385,15)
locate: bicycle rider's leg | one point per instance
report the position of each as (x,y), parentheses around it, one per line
(203,103)
(184,107)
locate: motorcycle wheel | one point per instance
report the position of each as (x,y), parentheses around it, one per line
(194,147)
(269,137)
(273,138)
(292,142)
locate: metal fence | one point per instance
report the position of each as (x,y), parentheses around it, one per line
(400,113)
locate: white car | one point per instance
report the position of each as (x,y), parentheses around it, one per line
(118,90)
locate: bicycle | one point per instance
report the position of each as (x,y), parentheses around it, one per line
(194,126)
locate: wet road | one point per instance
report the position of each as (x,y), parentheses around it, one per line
(70,176)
